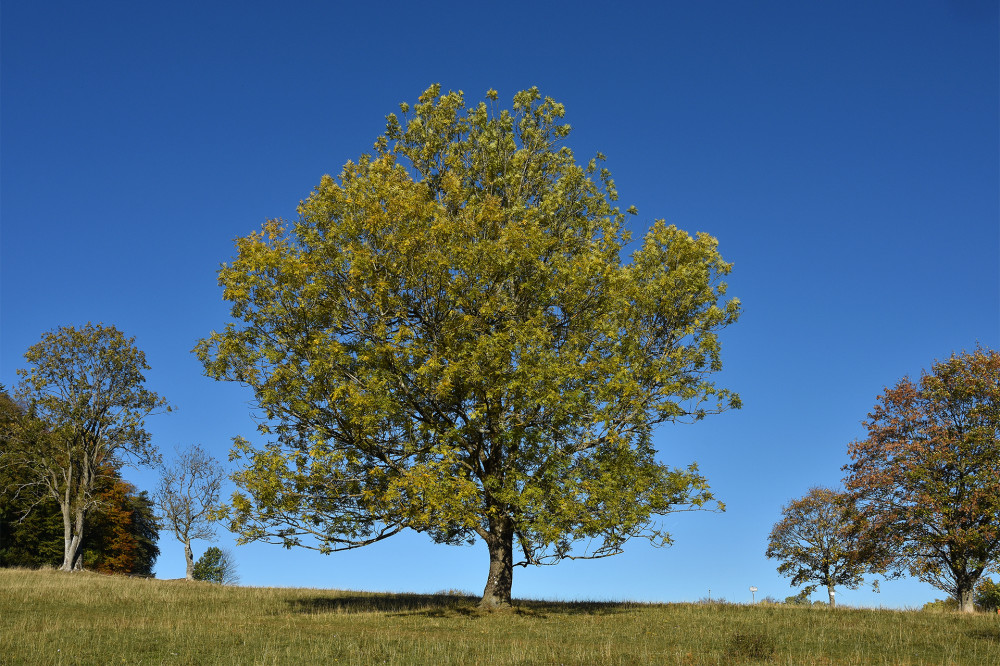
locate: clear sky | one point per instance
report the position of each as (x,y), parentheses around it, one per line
(845,154)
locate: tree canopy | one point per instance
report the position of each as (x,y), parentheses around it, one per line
(448,339)
(927,477)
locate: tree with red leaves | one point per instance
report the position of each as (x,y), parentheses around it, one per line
(926,480)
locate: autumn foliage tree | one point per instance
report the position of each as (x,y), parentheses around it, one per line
(123,532)
(816,543)
(448,340)
(927,476)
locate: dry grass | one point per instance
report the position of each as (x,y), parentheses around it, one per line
(51,618)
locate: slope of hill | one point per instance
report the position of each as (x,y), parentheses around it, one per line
(51,618)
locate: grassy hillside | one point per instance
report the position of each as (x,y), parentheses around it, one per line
(52,618)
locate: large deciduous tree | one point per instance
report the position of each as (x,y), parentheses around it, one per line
(927,477)
(187,496)
(816,543)
(86,398)
(448,340)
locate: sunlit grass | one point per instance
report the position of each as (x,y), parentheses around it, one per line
(47,617)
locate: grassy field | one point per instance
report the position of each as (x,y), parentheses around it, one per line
(52,618)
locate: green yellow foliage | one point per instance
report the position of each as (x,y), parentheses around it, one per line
(448,340)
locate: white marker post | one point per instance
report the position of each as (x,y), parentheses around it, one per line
(752,590)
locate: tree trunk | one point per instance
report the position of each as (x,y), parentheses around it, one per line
(189,558)
(501,546)
(966,603)
(72,560)
(71,555)
(68,549)
(833,600)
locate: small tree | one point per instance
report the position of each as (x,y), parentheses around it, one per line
(800,599)
(816,543)
(927,477)
(216,566)
(987,595)
(186,496)
(948,605)
(86,404)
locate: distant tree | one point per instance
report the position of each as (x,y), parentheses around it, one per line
(123,533)
(30,521)
(30,533)
(146,532)
(948,605)
(85,398)
(800,599)
(449,340)
(187,495)
(987,595)
(19,492)
(816,544)
(927,477)
(216,566)
(107,545)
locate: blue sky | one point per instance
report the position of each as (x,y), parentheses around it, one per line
(845,154)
